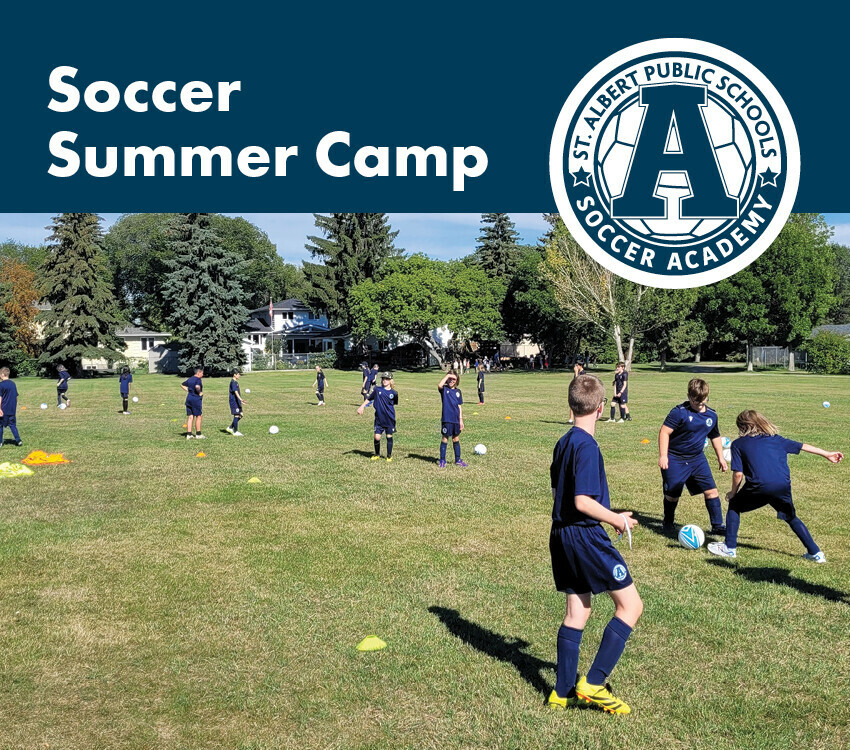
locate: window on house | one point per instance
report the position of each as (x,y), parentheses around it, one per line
(147,343)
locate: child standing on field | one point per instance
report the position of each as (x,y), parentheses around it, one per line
(236,402)
(124,380)
(385,399)
(62,386)
(480,384)
(194,388)
(760,455)
(621,393)
(452,416)
(8,406)
(319,385)
(681,442)
(584,562)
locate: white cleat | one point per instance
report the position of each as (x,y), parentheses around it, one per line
(819,557)
(721,550)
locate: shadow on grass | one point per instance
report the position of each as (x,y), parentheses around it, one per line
(655,525)
(782,577)
(552,421)
(420,457)
(357,452)
(508,650)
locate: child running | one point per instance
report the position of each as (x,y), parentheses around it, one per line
(62,387)
(8,407)
(760,455)
(621,393)
(124,381)
(681,442)
(194,388)
(385,400)
(319,385)
(480,384)
(584,562)
(236,402)
(452,417)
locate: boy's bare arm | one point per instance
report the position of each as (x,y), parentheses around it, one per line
(737,478)
(663,445)
(620,521)
(717,444)
(831,456)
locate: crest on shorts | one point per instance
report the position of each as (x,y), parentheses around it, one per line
(619,572)
(674,163)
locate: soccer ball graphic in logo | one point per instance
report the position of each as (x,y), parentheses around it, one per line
(733,152)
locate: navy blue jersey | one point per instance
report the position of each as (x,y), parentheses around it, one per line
(621,381)
(64,376)
(452,400)
(690,429)
(320,381)
(480,381)
(370,377)
(577,469)
(763,460)
(235,404)
(124,381)
(191,383)
(8,397)
(385,400)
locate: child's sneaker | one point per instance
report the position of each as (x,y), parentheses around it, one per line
(126,413)
(620,420)
(375,458)
(199,437)
(601,695)
(818,557)
(462,464)
(230,430)
(442,463)
(238,434)
(189,436)
(389,459)
(557,703)
(721,550)
(21,442)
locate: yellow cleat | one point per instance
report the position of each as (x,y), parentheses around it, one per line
(601,695)
(389,460)
(375,458)
(557,703)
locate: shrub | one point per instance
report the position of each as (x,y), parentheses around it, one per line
(828,353)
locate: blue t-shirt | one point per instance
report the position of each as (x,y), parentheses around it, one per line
(577,469)
(124,382)
(193,394)
(621,382)
(64,376)
(370,377)
(320,381)
(8,397)
(385,400)
(690,429)
(480,381)
(234,402)
(763,460)
(452,400)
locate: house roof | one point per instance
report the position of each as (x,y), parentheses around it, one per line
(307,329)
(288,305)
(842,328)
(130,331)
(255,325)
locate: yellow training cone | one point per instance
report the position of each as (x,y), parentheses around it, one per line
(507,417)
(254,480)
(475,414)
(201,455)
(371,643)
(645,441)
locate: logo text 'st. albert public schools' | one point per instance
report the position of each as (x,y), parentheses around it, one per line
(674,163)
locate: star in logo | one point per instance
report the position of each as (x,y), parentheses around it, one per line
(768,177)
(581,177)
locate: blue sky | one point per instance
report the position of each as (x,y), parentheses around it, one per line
(441,236)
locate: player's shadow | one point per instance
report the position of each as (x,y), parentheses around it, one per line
(783,577)
(508,650)
(653,524)
(420,457)
(563,423)
(358,452)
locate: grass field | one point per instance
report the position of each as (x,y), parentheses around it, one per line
(152,599)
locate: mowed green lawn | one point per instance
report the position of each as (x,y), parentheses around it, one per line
(153,599)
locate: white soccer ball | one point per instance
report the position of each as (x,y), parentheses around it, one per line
(826,404)
(480,449)
(691,536)
(247,390)
(274,429)
(727,454)
(725,442)
(44,406)
(135,399)
(63,406)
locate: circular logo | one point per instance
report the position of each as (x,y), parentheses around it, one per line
(619,572)
(674,163)
(709,422)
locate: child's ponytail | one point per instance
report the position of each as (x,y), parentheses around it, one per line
(750,422)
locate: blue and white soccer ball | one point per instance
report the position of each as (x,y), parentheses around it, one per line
(63,406)
(247,390)
(727,454)
(480,449)
(732,149)
(691,536)
(826,404)
(725,442)
(135,399)
(44,406)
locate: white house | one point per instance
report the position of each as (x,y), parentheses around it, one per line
(138,343)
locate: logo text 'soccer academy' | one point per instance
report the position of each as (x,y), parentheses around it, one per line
(674,163)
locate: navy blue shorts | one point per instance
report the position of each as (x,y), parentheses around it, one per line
(623,398)
(380,429)
(584,561)
(694,474)
(235,411)
(7,420)
(451,429)
(193,407)
(125,395)
(746,500)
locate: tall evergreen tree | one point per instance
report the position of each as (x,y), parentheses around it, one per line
(10,353)
(204,294)
(497,252)
(83,318)
(352,248)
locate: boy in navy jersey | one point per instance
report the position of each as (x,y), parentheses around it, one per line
(452,416)
(8,406)
(681,441)
(236,402)
(621,393)
(62,386)
(761,455)
(319,385)
(194,388)
(384,398)
(584,562)
(124,380)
